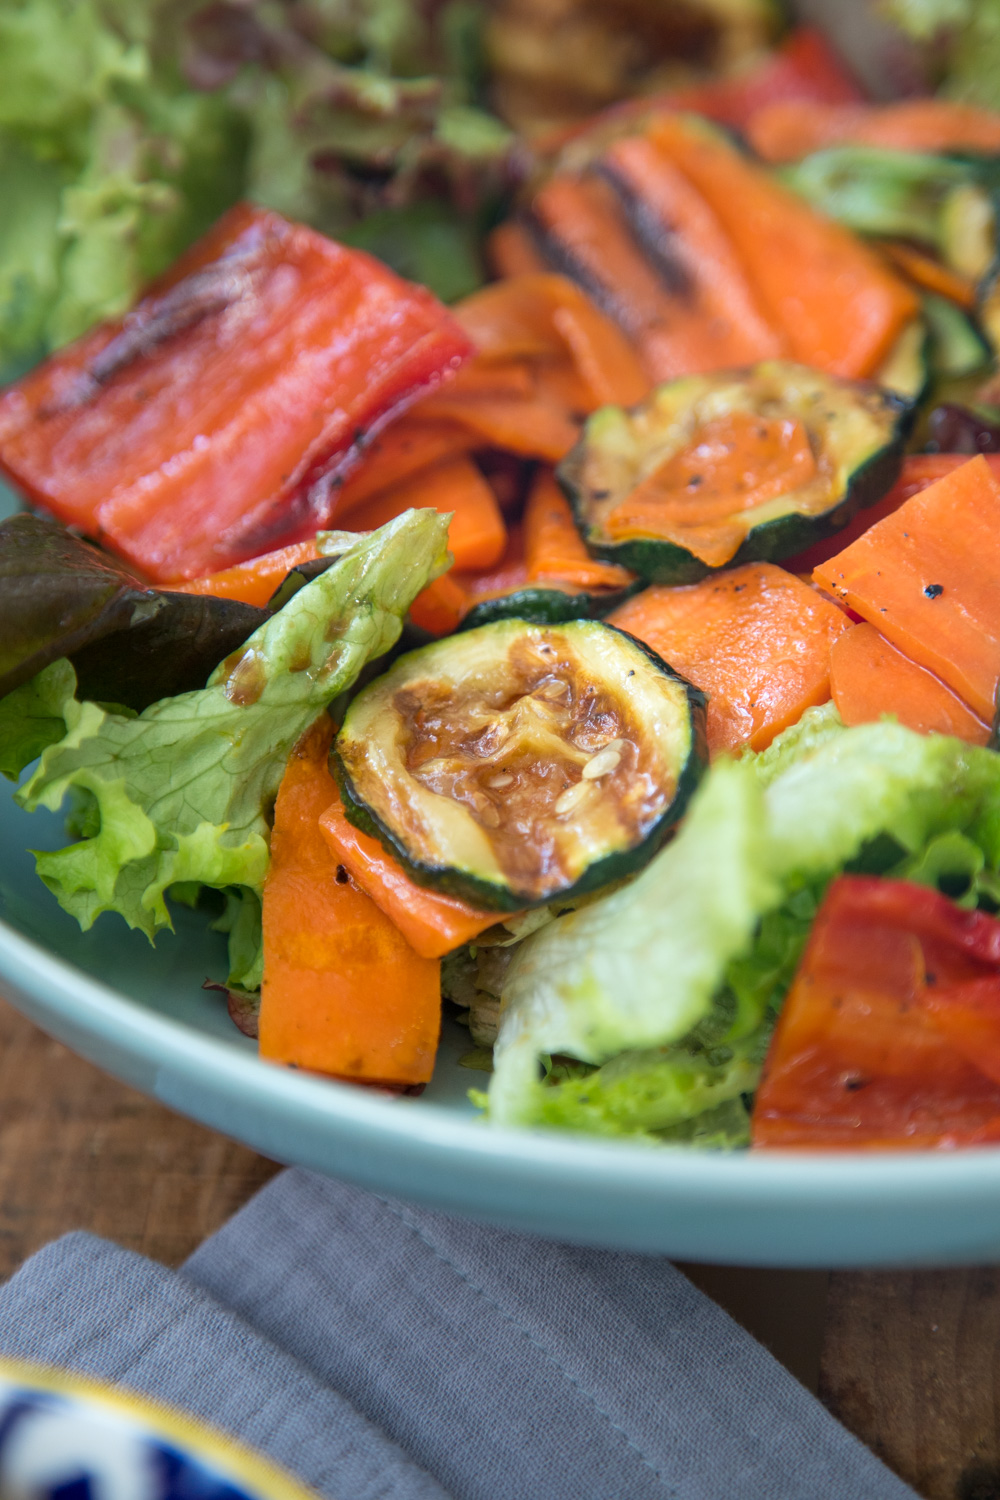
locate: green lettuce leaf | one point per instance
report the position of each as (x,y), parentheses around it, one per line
(242,921)
(109,165)
(879,191)
(31,717)
(182,792)
(701,948)
(660,1091)
(128,126)
(638,968)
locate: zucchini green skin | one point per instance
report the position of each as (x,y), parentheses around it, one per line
(547,606)
(617,865)
(660,561)
(657,560)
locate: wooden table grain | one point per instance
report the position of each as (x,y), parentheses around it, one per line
(910,1361)
(80,1151)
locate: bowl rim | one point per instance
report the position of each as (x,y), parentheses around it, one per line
(866,1177)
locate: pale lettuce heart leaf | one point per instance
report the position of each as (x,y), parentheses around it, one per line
(876,779)
(182,792)
(688,940)
(639,968)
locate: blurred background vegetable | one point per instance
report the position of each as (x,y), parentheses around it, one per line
(127,128)
(959,41)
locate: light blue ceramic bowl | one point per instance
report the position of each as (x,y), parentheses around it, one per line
(142,1015)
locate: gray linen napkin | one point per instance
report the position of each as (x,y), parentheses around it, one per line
(380,1350)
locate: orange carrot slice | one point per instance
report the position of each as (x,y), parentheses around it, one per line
(510,573)
(926,272)
(511,251)
(790,129)
(433,924)
(527,317)
(255,581)
(343,992)
(488,377)
(869,678)
(477,535)
(401,449)
(554,549)
(581,214)
(605,361)
(718,320)
(840,306)
(919,471)
(926,577)
(756,639)
(440,607)
(534,429)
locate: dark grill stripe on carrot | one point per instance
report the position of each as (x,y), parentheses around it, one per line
(717,319)
(840,306)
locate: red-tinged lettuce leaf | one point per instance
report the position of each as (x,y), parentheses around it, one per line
(129,643)
(182,793)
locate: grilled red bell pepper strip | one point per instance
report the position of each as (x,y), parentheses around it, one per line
(207,426)
(890,1035)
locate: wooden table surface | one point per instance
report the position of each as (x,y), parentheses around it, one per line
(910,1361)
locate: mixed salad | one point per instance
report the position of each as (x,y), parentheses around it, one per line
(610,657)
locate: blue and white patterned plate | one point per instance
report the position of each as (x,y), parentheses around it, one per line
(66,1438)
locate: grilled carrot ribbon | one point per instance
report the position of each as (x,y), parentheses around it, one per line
(344,992)
(925,577)
(432,923)
(794,256)
(756,639)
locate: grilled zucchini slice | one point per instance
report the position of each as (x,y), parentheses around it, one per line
(715,470)
(520,763)
(547,604)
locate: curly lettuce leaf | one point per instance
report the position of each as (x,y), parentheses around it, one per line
(707,939)
(661,1092)
(109,165)
(182,791)
(242,921)
(31,717)
(126,129)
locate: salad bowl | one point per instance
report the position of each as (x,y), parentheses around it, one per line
(142,1014)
